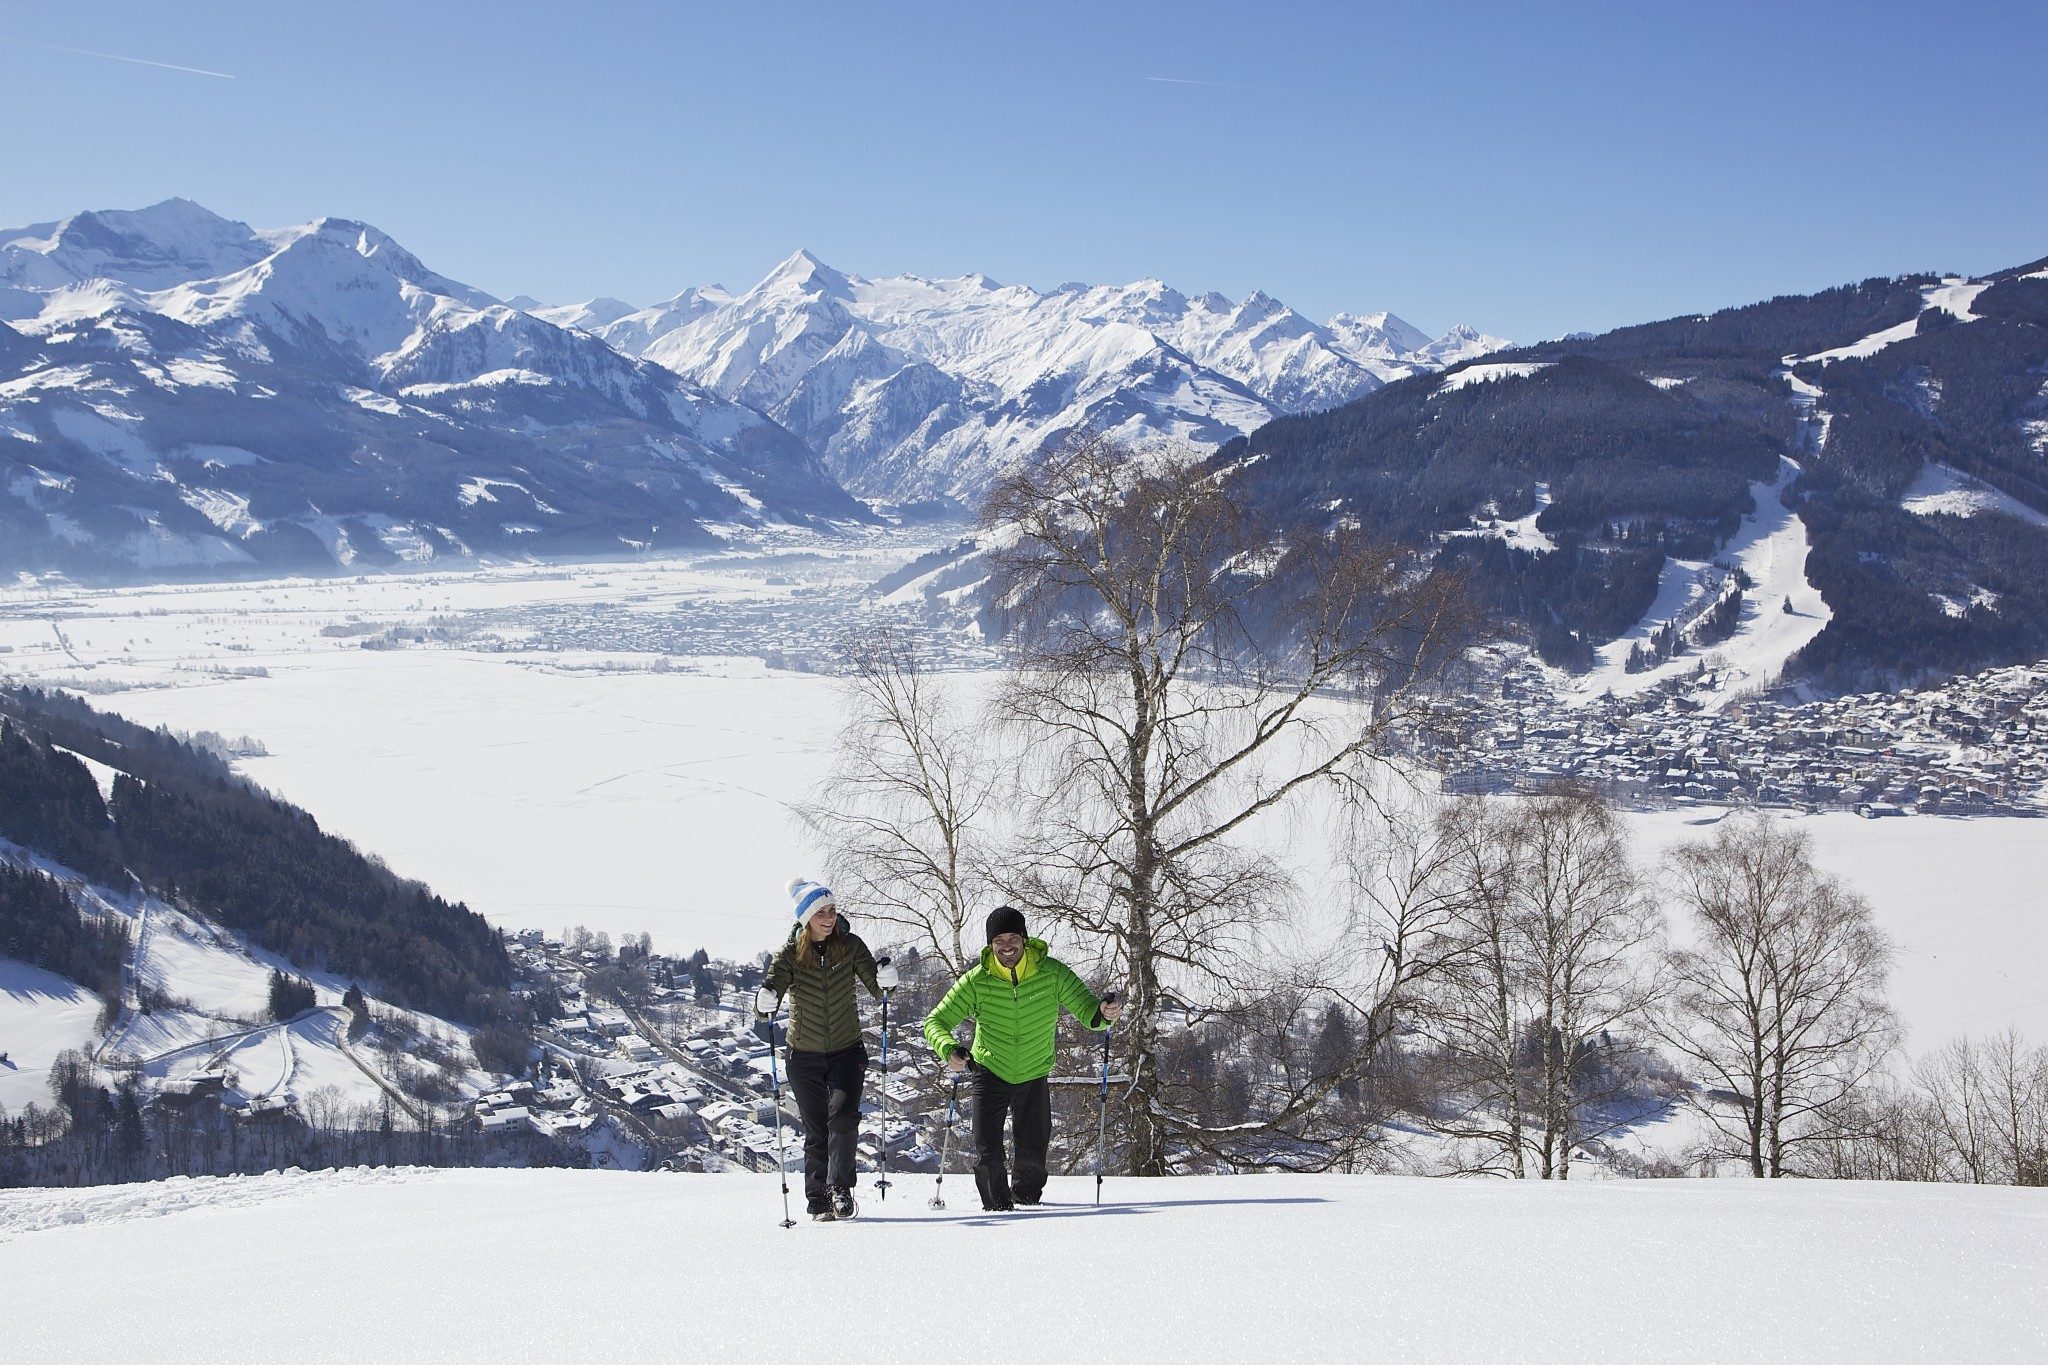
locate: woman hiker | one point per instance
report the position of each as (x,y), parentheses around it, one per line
(816,969)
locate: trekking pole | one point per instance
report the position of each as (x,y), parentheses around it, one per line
(882,1180)
(775,1075)
(1102,1103)
(946,1143)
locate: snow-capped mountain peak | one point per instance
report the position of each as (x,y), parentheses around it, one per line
(591,315)
(913,387)
(905,387)
(145,249)
(802,275)
(1379,335)
(317,396)
(1463,342)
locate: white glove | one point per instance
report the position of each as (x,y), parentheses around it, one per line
(766,1002)
(885,974)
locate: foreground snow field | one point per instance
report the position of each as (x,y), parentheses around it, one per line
(546,1265)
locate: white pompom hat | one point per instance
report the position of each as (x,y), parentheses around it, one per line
(807,898)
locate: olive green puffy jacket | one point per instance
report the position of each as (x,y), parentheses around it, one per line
(1016,1015)
(824,1013)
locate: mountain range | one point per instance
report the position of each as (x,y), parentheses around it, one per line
(184,394)
(181,392)
(912,388)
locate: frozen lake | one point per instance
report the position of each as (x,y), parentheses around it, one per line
(603,746)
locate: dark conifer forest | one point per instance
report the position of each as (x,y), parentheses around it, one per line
(186,828)
(1650,440)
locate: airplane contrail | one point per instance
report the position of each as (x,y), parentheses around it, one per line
(117,57)
(1182,80)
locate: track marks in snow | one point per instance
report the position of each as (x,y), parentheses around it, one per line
(40,1210)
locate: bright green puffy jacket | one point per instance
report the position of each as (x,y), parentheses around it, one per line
(1015,1016)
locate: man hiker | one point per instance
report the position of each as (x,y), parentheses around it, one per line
(817,967)
(1014,995)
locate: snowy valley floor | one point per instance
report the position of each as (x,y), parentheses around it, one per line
(558,785)
(366,1265)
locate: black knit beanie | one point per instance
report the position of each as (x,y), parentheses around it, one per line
(1005,920)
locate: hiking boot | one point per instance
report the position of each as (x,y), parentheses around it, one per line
(842,1203)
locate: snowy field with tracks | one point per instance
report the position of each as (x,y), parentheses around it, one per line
(362,1265)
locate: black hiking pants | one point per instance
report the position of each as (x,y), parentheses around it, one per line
(1029,1107)
(827,1086)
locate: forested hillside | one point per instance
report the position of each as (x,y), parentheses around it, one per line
(1914,407)
(184,827)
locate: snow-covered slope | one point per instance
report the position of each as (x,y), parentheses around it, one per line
(1942,491)
(177,390)
(1953,295)
(41,1015)
(154,248)
(1781,610)
(206,989)
(597,1265)
(915,388)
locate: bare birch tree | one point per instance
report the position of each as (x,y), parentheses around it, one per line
(1556,961)
(903,811)
(1987,1107)
(1314,1079)
(1180,673)
(1477,1013)
(1779,1001)
(1584,926)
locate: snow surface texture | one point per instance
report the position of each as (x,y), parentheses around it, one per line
(596,1265)
(548,790)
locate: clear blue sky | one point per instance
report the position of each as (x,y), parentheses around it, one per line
(1532,168)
